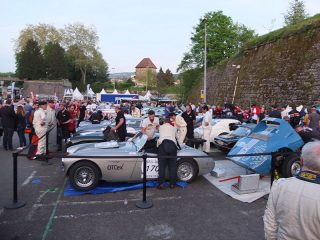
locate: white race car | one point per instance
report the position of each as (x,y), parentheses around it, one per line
(218,126)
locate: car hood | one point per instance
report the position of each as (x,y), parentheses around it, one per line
(96,149)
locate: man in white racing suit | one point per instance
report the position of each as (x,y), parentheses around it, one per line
(40,126)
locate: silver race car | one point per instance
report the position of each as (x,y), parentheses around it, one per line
(85,173)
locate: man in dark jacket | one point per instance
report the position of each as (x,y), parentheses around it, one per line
(8,118)
(294,116)
(275,113)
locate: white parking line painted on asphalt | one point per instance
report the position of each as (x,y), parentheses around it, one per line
(29,178)
(75,216)
(65,203)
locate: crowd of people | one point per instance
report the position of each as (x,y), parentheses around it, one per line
(36,117)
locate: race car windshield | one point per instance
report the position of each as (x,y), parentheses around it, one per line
(265,133)
(241,131)
(139,140)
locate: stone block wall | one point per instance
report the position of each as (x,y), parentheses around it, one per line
(284,72)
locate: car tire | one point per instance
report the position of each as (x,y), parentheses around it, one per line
(291,165)
(84,176)
(186,170)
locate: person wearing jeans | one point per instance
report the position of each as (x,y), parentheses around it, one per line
(21,125)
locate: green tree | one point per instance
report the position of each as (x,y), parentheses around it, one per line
(169,78)
(160,82)
(98,69)
(55,61)
(41,33)
(189,80)
(224,38)
(81,42)
(30,62)
(295,13)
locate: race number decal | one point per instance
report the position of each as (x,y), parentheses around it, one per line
(152,168)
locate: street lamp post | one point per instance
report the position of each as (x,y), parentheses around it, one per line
(235,87)
(205,63)
(114,81)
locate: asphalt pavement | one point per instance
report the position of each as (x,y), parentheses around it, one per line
(199,211)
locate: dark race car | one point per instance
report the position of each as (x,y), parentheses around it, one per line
(133,127)
(226,141)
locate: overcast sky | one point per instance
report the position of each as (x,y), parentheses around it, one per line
(130,30)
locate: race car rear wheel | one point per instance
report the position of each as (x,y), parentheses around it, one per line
(291,165)
(84,176)
(186,170)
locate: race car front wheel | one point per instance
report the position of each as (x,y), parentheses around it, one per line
(84,176)
(291,165)
(186,170)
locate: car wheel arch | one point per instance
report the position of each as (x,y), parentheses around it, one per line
(181,159)
(85,160)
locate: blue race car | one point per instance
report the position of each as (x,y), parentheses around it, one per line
(270,135)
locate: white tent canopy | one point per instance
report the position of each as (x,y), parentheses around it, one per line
(148,95)
(127,92)
(77,95)
(103,91)
(115,91)
(91,93)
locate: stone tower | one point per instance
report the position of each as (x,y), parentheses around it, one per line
(146,72)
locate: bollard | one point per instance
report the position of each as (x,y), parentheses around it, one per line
(45,157)
(144,204)
(15,204)
(47,143)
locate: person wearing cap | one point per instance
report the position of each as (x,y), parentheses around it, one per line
(181,126)
(293,208)
(40,127)
(167,146)
(120,127)
(313,121)
(206,126)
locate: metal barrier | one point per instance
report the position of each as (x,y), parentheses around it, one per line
(15,203)
(145,203)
